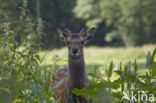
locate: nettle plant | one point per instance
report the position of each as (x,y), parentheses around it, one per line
(128,81)
(19,58)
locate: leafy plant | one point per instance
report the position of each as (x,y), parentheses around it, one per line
(19,58)
(128,80)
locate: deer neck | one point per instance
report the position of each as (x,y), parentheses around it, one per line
(77,73)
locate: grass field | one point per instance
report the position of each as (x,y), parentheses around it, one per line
(98,57)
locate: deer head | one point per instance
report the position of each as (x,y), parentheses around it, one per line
(75,41)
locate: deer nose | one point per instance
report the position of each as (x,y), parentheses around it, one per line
(74,50)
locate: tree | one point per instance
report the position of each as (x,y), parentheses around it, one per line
(56,14)
(9,8)
(132,21)
(38,12)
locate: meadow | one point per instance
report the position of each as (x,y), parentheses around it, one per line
(100,57)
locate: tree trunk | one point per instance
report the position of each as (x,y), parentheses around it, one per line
(38,13)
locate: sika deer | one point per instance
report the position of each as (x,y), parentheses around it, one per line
(76,74)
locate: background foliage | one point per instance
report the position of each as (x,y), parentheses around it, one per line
(130,22)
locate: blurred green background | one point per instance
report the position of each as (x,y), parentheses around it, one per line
(118,22)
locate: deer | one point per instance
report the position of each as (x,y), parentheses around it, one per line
(75,72)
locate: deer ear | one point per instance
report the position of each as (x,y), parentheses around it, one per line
(63,34)
(89,35)
(83,32)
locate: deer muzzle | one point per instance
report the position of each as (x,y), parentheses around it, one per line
(75,52)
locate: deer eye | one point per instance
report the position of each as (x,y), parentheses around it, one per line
(68,42)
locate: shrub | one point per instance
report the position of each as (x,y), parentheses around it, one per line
(19,58)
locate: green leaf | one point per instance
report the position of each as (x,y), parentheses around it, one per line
(153,54)
(148,59)
(17,101)
(135,66)
(129,68)
(35,90)
(110,69)
(153,72)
